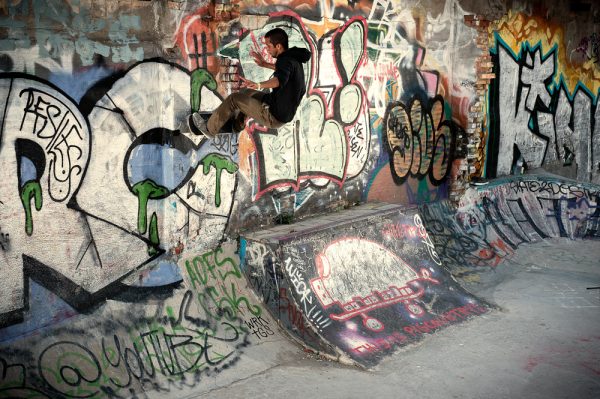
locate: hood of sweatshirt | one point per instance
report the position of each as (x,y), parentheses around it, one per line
(298,53)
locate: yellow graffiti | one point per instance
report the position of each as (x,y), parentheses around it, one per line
(319,28)
(518,28)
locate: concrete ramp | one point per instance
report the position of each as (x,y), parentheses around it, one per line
(358,284)
(495,219)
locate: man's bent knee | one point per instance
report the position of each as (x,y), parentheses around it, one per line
(236,98)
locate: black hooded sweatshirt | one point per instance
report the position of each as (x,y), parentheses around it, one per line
(284,100)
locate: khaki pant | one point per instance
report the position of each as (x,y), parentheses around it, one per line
(249,103)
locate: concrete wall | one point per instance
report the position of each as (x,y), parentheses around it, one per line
(103,204)
(95,170)
(542,105)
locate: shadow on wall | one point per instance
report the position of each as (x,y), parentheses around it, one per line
(167,344)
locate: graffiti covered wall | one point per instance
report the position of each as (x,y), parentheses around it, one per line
(543,102)
(493,221)
(115,218)
(119,278)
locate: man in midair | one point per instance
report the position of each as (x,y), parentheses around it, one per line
(272,109)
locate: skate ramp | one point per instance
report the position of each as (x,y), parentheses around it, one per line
(358,284)
(400,283)
(495,219)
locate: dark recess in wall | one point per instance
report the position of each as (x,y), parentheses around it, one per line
(580,6)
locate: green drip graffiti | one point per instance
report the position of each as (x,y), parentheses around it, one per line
(154,239)
(219,162)
(200,78)
(146,190)
(31,189)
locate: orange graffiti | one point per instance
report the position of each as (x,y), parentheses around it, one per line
(518,28)
(198,41)
(246,151)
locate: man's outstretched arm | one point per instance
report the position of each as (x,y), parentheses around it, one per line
(268,84)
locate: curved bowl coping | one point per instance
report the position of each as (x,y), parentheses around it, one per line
(494,219)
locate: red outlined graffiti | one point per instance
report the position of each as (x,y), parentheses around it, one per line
(406,285)
(399,230)
(326,142)
(198,42)
(382,344)
(459,313)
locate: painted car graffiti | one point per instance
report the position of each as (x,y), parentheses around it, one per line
(336,275)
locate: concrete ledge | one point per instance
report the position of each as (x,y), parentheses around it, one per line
(284,233)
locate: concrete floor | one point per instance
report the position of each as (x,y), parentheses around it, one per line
(543,342)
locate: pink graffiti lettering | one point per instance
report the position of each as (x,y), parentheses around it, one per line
(446,318)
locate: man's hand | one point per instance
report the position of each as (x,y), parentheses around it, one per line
(269,84)
(260,60)
(248,83)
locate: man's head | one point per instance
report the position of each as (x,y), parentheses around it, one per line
(276,41)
